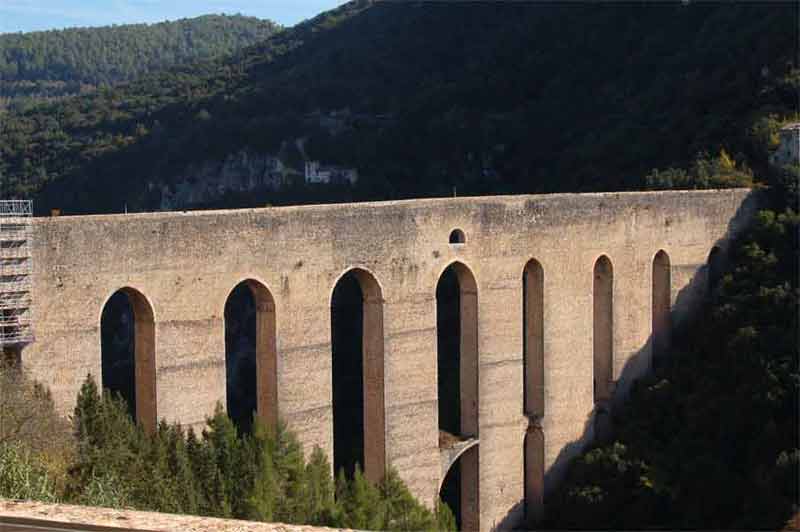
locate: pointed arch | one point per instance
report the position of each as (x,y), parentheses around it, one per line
(357,349)
(251,354)
(533,338)
(128,353)
(603,328)
(661,304)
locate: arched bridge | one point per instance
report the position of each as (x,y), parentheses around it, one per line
(503,320)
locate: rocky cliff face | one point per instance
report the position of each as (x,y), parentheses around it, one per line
(242,171)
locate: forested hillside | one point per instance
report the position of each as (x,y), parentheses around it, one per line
(425,97)
(48,64)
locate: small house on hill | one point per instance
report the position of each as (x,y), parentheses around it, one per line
(330,174)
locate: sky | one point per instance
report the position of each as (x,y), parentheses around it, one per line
(35,15)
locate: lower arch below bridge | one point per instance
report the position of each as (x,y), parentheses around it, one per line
(533,454)
(459,488)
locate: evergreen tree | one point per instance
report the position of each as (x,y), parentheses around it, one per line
(403,512)
(154,481)
(223,442)
(180,469)
(86,414)
(445,519)
(210,495)
(361,502)
(202,471)
(321,493)
(290,472)
(263,490)
(262,476)
(108,443)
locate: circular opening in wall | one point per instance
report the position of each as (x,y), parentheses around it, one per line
(457,237)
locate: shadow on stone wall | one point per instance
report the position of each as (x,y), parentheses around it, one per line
(687,305)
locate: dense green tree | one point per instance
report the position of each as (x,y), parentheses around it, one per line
(260,476)
(290,471)
(155,484)
(403,512)
(181,471)
(264,490)
(108,469)
(204,467)
(321,491)
(445,519)
(225,449)
(362,507)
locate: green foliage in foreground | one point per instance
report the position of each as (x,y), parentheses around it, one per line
(23,477)
(263,476)
(710,439)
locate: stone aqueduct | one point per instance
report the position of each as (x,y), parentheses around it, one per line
(562,301)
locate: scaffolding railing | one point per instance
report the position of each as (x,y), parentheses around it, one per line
(16,279)
(22,267)
(15,321)
(16,208)
(15,303)
(21,283)
(17,336)
(15,252)
(15,231)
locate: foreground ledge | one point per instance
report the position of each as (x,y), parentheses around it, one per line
(67,516)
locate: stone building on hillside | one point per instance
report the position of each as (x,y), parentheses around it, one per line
(210,180)
(330,174)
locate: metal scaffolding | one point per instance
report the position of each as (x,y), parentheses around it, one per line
(16,230)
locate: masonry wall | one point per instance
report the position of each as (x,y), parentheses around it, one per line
(186,264)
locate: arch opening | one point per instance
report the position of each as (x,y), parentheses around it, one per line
(250,355)
(603,328)
(457,236)
(661,301)
(534,475)
(715,268)
(459,490)
(533,339)
(358,376)
(127,353)
(457,351)
(457,386)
